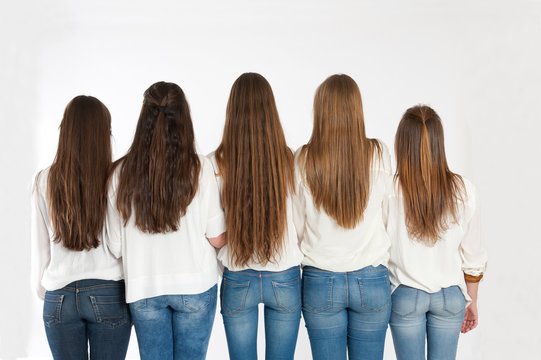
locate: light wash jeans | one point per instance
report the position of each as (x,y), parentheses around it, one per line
(242,292)
(348,310)
(174,326)
(417,315)
(87,312)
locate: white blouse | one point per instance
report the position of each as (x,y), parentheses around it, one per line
(54,266)
(431,268)
(290,255)
(330,247)
(179,262)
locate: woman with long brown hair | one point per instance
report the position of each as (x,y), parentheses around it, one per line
(342,178)
(75,273)
(255,171)
(165,220)
(437,256)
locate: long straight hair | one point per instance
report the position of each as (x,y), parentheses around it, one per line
(432,193)
(257,170)
(338,158)
(159,175)
(77,180)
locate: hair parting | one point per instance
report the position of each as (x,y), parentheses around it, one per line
(338,158)
(432,193)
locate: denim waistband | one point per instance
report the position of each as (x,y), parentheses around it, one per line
(365,269)
(90,284)
(251,272)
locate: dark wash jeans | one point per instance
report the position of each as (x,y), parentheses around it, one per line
(87,312)
(346,310)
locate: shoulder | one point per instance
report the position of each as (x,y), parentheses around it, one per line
(471,194)
(212,159)
(40,181)
(115,175)
(300,157)
(382,157)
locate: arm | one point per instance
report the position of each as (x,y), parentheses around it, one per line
(298,201)
(113,220)
(471,316)
(40,248)
(219,241)
(474,260)
(215,227)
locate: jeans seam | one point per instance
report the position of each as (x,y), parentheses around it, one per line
(93,287)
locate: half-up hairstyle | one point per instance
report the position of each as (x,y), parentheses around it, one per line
(159,175)
(338,158)
(432,193)
(257,169)
(77,180)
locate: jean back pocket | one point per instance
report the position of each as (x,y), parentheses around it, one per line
(404,300)
(234,295)
(316,293)
(454,301)
(196,302)
(52,308)
(288,296)
(375,292)
(110,310)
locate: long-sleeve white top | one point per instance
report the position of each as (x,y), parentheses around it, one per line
(290,254)
(328,246)
(431,268)
(54,266)
(177,262)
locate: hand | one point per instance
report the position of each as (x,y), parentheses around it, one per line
(471,318)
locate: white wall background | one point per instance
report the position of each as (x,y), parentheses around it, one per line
(478,63)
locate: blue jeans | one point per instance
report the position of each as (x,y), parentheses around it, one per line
(241,292)
(174,326)
(346,310)
(417,314)
(87,312)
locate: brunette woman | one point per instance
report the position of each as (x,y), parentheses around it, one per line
(75,273)
(437,257)
(255,171)
(342,179)
(165,221)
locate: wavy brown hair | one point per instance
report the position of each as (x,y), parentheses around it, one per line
(432,193)
(159,175)
(257,169)
(77,180)
(338,158)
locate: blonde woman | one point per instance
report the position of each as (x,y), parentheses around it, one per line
(437,256)
(342,179)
